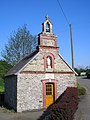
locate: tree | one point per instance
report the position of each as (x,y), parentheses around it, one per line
(76,70)
(20,44)
(79,71)
(88,73)
(4,68)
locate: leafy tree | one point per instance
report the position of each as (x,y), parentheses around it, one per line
(88,73)
(79,70)
(4,68)
(76,70)
(20,44)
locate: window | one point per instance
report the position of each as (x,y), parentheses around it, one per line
(49,89)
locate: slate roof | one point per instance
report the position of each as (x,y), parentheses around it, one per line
(21,64)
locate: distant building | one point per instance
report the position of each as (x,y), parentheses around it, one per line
(40,78)
(83,73)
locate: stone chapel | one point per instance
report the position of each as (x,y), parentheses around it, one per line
(40,78)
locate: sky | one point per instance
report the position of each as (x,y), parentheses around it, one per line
(15,13)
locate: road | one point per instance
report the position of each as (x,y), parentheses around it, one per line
(85,82)
(83,112)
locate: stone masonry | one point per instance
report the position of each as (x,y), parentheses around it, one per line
(25,83)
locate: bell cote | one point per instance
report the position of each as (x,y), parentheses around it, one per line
(47,26)
(46,39)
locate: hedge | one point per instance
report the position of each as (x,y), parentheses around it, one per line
(64,107)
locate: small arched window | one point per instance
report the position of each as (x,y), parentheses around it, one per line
(47,27)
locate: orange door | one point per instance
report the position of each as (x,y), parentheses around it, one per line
(49,94)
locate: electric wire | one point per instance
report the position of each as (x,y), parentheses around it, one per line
(63,12)
(72,54)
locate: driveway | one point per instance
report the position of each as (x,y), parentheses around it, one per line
(83,112)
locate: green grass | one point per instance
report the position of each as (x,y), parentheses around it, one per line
(1,86)
(5,110)
(81,90)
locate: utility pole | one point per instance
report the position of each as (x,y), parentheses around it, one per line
(72,53)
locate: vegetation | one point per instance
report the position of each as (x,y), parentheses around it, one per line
(81,90)
(88,73)
(4,68)
(1,86)
(5,110)
(79,71)
(64,107)
(86,70)
(20,44)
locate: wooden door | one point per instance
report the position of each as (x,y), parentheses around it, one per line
(49,94)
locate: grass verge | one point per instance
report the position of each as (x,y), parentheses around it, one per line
(5,110)
(81,90)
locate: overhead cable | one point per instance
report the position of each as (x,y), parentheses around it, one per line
(63,12)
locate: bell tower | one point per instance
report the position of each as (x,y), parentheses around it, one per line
(46,39)
(47,26)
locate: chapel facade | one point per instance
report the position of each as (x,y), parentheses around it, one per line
(40,78)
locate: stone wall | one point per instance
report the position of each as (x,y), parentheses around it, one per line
(29,85)
(38,63)
(30,89)
(29,92)
(11,91)
(64,81)
(60,65)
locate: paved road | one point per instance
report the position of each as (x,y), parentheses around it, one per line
(83,113)
(86,83)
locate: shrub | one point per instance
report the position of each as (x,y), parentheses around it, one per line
(1,86)
(64,107)
(81,90)
(88,75)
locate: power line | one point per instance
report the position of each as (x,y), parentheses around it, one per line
(72,52)
(63,12)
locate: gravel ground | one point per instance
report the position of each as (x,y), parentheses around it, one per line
(7,115)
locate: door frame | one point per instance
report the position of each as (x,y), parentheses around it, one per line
(44,82)
(50,96)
